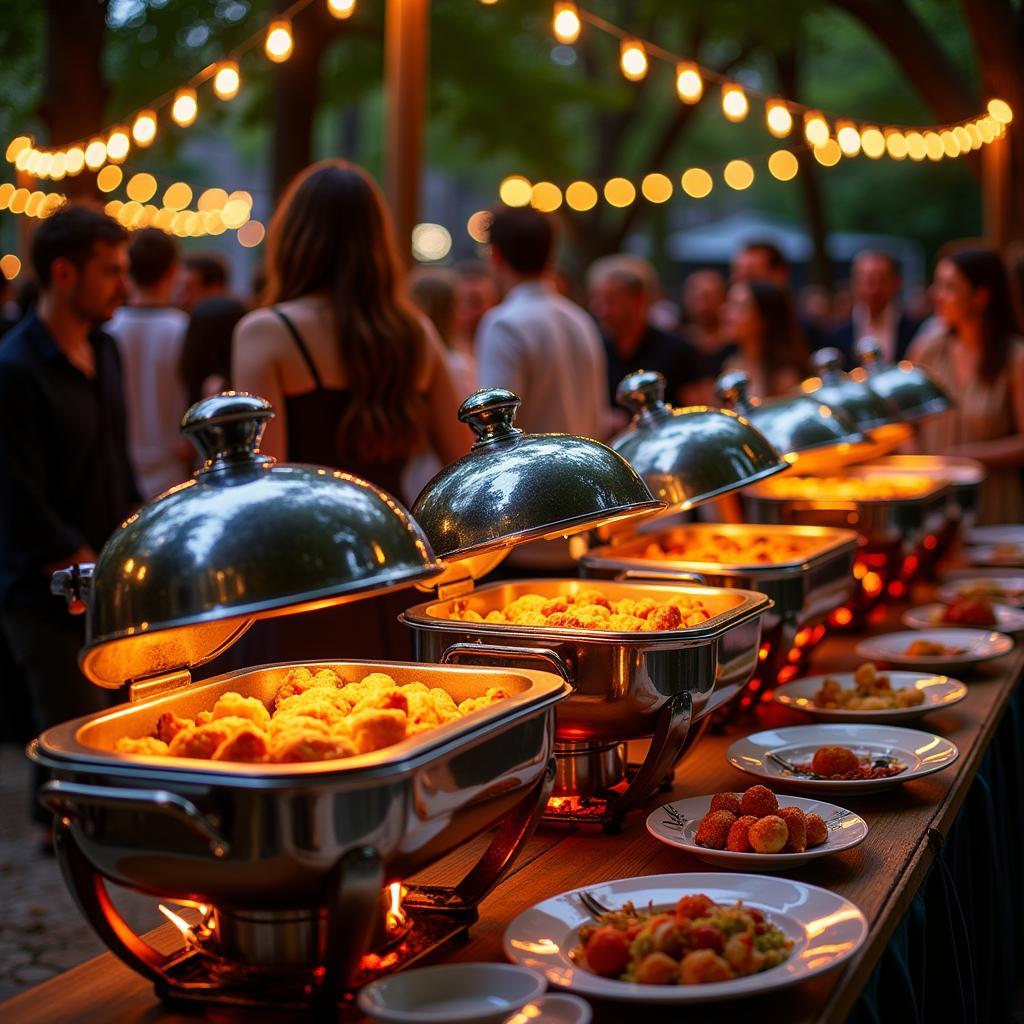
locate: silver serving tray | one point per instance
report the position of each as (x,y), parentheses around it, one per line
(269,836)
(804,592)
(621,681)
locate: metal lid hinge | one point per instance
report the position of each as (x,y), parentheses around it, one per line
(157,685)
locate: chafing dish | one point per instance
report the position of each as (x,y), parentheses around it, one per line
(288,861)
(964,476)
(625,685)
(804,589)
(908,387)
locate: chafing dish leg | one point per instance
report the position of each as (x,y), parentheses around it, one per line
(666,748)
(353,905)
(516,827)
(90,893)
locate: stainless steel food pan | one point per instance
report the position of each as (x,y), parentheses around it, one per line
(269,836)
(621,681)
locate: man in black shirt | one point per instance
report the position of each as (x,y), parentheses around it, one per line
(65,481)
(621,290)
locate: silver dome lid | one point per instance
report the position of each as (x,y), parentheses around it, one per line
(245,538)
(907,386)
(802,429)
(689,456)
(515,487)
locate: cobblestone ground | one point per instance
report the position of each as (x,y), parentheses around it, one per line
(41,930)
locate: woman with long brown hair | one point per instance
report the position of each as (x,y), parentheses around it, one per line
(978,359)
(357,377)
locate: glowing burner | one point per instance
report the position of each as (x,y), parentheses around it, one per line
(576,809)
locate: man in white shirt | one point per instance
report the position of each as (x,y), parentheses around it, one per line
(538,343)
(149,333)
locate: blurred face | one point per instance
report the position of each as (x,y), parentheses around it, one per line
(741,320)
(96,289)
(755,265)
(616,308)
(874,283)
(956,301)
(191,289)
(473,297)
(703,296)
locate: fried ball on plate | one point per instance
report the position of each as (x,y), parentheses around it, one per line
(666,616)
(769,834)
(713,829)
(329,707)
(203,740)
(726,802)
(619,623)
(656,969)
(527,618)
(168,725)
(376,729)
(758,801)
(564,620)
(703,966)
(590,595)
(234,705)
(383,698)
(556,604)
(817,830)
(834,760)
(796,824)
(303,744)
(247,743)
(738,840)
(143,745)
(644,607)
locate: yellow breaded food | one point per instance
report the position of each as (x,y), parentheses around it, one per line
(143,745)
(234,705)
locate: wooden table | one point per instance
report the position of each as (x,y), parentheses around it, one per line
(881,876)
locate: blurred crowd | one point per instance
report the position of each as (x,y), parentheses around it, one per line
(365,364)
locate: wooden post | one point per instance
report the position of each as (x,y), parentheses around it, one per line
(406,76)
(995,192)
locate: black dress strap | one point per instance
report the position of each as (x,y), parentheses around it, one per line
(294,332)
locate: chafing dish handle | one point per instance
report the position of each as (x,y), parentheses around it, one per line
(74,584)
(488,654)
(667,744)
(66,800)
(678,575)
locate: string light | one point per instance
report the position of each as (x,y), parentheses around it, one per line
(1000,110)
(212,199)
(252,233)
(689,84)
(656,188)
(279,43)
(816,129)
(340,9)
(696,182)
(17,145)
(734,102)
(545,197)
(783,164)
(75,160)
(896,144)
(848,138)
(109,178)
(633,59)
(478,227)
(141,187)
(227,80)
(619,192)
(177,196)
(566,23)
(738,174)
(118,145)
(185,108)
(236,212)
(778,118)
(10,266)
(515,190)
(916,147)
(872,143)
(581,196)
(828,154)
(962,137)
(95,154)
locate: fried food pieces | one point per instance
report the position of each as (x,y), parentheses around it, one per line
(315,717)
(872,691)
(764,827)
(589,608)
(754,549)
(870,487)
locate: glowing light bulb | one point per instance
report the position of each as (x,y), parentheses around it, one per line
(185,108)
(76,160)
(279,43)
(696,182)
(783,164)
(109,178)
(16,146)
(933,146)
(60,165)
(917,149)
(872,143)
(118,145)
(828,154)
(581,196)
(619,192)
(177,196)
(816,129)
(738,174)
(340,9)
(22,159)
(963,139)
(566,23)
(251,234)
(950,146)
(656,188)
(734,102)
(546,197)
(633,59)
(10,266)
(848,138)
(478,227)
(141,187)
(778,118)
(1001,111)
(515,190)
(144,127)
(689,84)
(975,135)
(227,80)
(95,154)
(212,199)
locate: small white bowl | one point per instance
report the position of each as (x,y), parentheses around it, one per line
(451,994)
(554,1009)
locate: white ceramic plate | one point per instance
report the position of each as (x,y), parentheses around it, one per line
(979,645)
(990,554)
(676,824)
(825,929)
(1009,533)
(928,616)
(922,753)
(1010,589)
(939,692)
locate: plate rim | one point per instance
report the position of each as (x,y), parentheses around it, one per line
(682,994)
(1000,609)
(938,660)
